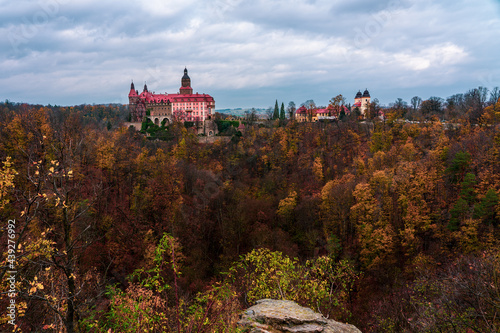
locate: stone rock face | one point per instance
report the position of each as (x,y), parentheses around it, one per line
(274,316)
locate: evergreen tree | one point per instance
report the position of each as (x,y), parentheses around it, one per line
(276,113)
(282,111)
(291,109)
(486,208)
(342,115)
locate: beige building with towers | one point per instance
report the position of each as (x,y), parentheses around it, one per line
(362,101)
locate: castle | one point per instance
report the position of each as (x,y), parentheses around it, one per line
(166,108)
(362,101)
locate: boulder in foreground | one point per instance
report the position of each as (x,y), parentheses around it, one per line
(276,316)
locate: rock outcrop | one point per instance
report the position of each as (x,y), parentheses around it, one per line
(274,316)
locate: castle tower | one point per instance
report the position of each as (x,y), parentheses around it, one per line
(133,98)
(362,101)
(132,89)
(357,99)
(365,102)
(186,84)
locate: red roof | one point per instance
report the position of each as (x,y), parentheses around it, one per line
(302,109)
(358,104)
(175,98)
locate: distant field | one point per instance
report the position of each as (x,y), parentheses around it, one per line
(240,111)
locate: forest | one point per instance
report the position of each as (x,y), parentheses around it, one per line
(390,225)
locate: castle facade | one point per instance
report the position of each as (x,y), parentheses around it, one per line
(182,106)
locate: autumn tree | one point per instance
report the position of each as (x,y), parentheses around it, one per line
(398,109)
(417,182)
(251,116)
(355,114)
(461,297)
(455,107)
(494,95)
(491,114)
(7,174)
(373,109)
(372,215)
(381,139)
(337,199)
(432,107)
(337,105)
(475,101)
(322,284)
(415,103)
(413,108)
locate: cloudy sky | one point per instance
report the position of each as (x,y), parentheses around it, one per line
(247,53)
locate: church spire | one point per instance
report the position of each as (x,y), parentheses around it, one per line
(186,83)
(186,80)
(132,92)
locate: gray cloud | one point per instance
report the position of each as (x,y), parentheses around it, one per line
(247,53)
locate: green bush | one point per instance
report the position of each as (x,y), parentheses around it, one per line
(322,284)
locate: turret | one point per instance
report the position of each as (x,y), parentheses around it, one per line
(132,92)
(133,98)
(186,80)
(186,84)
